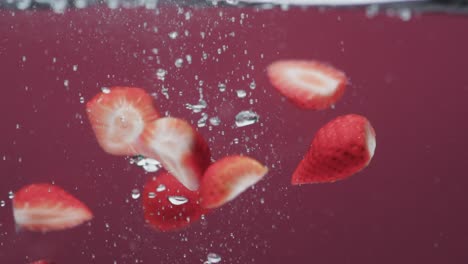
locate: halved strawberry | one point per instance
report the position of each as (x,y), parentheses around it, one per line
(308,84)
(118,116)
(168,205)
(46,207)
(341,148)
(179,147)
(225,179)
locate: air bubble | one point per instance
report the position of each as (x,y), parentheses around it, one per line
(173,35)
(161,188)
(177,200)
(215,121)
(202,121)
(252,85)
(246,118)
(213,258)
(151,168)
(135,194)
(241,94)
(197,108)
(161,74)
(222,87)
(105,90)
(178,62)
(188,57)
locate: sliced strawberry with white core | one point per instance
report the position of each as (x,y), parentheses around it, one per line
(179,147)
(118,117)
(308,84)
(45,207)
(341,148)
(225,179)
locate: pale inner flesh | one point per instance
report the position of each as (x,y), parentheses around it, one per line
(172,147)
(313,81)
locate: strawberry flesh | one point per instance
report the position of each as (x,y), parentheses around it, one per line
(46,207)
(179,147)
(225,179)
(308,84)
(118,118)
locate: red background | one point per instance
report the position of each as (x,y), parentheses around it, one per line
(409,78)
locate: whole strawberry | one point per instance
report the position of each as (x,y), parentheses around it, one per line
(341,148)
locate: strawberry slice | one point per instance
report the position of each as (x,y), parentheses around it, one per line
(225,179)
(341,148)
(46,207)
(168,205)
(179,147)
(308,84)
(118,117)
(42,262)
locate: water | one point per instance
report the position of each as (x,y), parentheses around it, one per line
(407,74)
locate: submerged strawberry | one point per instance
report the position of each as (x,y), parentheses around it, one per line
(168,205)
(118,117)
(308,84)
(179,147)
(46,207)
(341,148)
(225,179)
(42,262)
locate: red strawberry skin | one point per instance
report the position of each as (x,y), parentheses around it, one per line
(340,149)
(118,134)
(227,178)
(277,73)
(163,215)
(37,207)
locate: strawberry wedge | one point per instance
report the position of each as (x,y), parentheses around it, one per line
(168,205)
(179,147)
(308,84)
(42,262)
(341,148)
(225,179)
(118,117)
(46,207)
